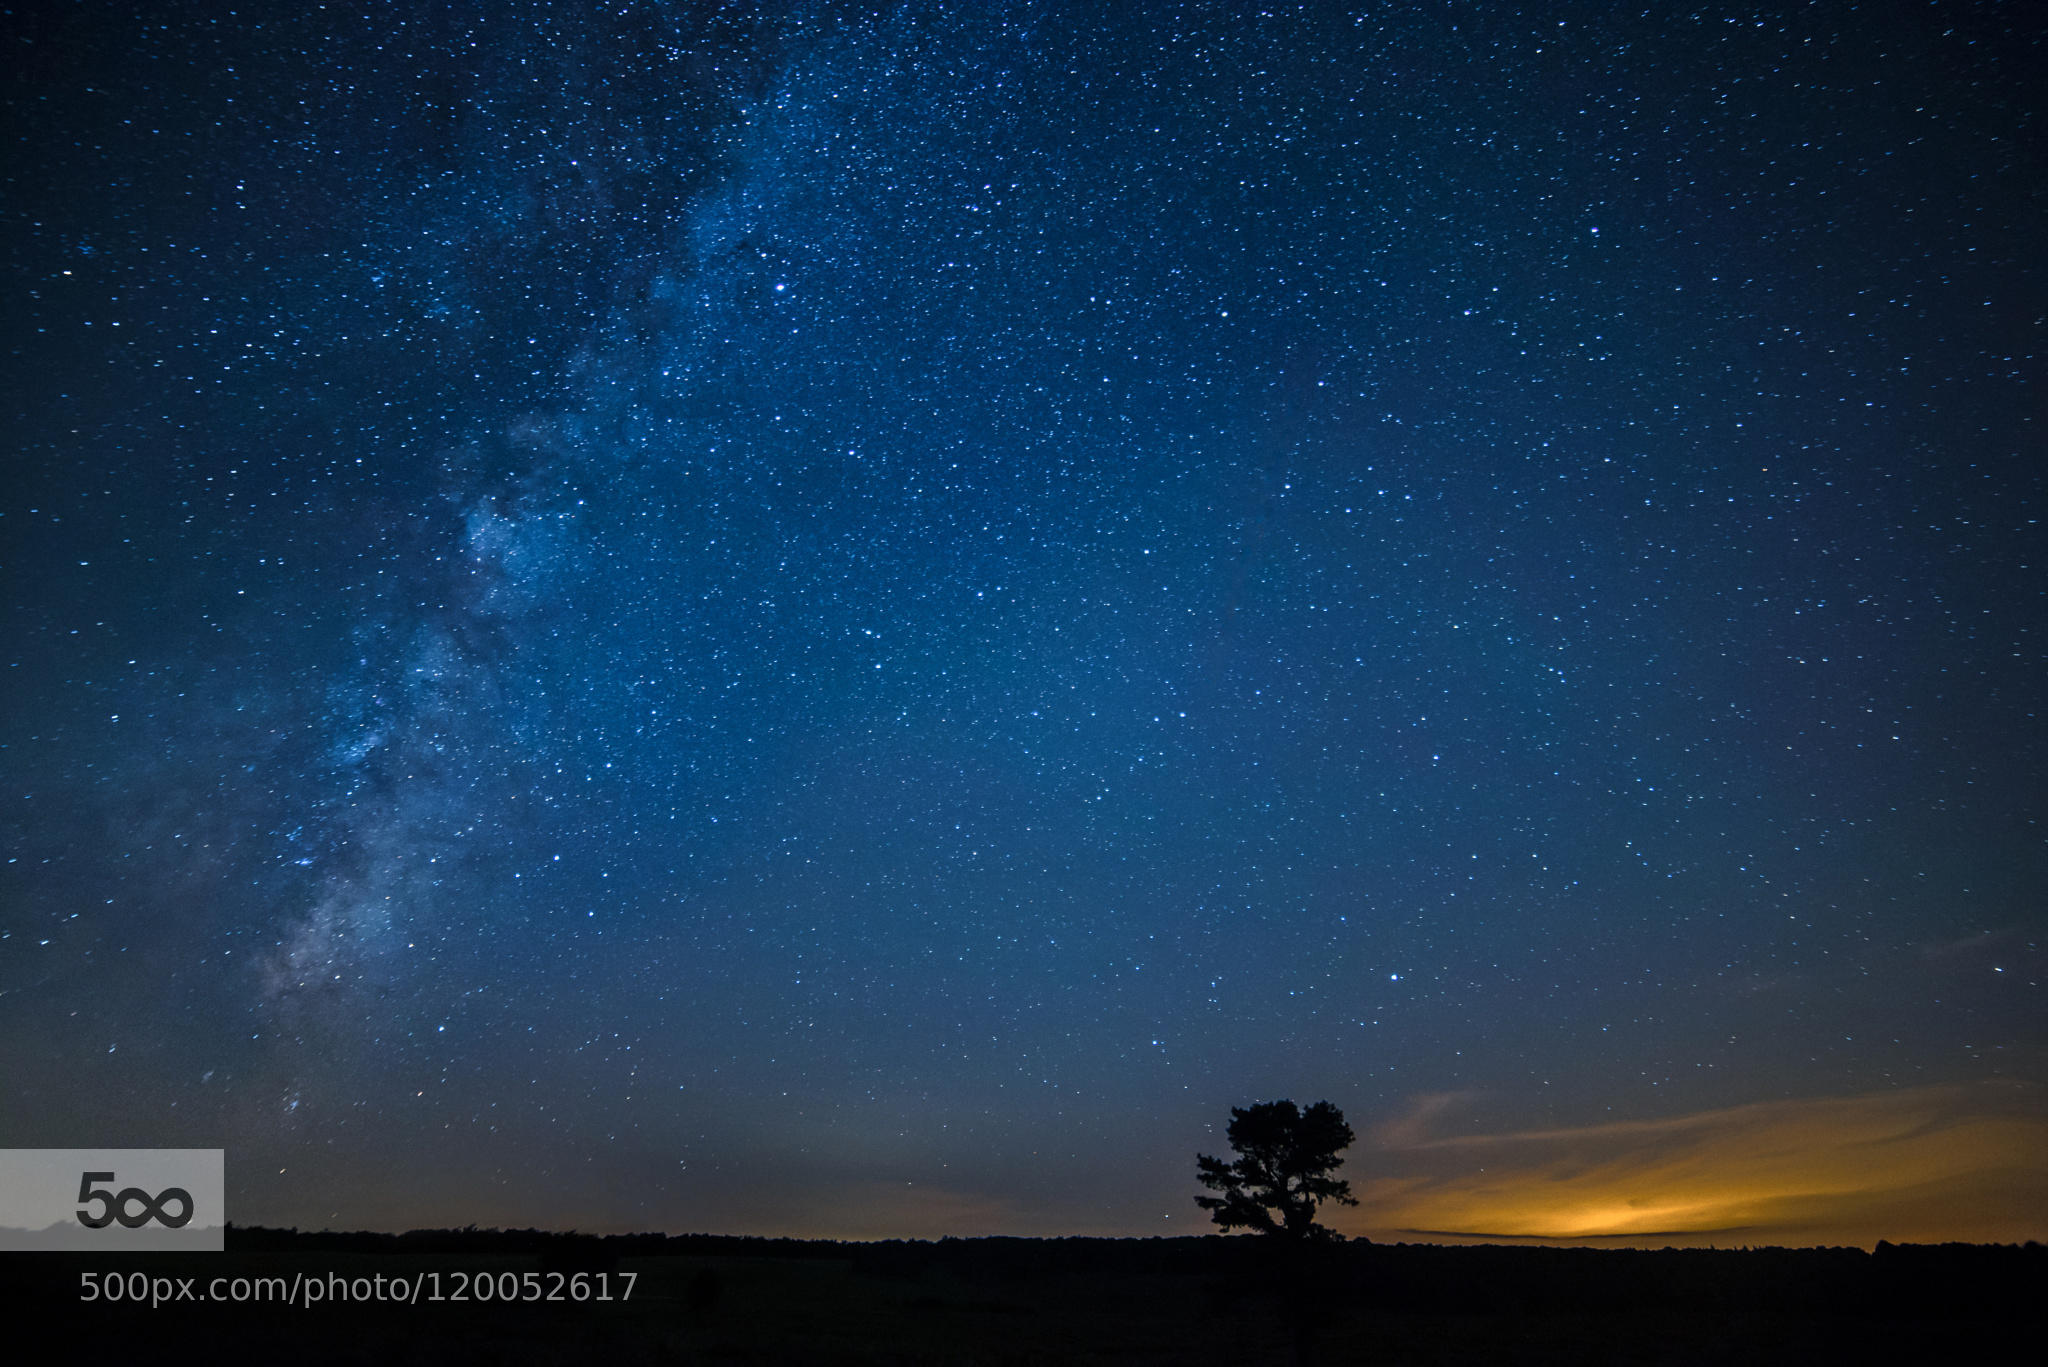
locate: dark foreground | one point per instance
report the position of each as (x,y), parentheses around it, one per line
(524,1298)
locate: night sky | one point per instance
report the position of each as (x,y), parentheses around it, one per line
(854,622)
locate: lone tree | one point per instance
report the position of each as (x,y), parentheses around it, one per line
(1285,1158)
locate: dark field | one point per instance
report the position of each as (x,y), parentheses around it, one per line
(700,1299)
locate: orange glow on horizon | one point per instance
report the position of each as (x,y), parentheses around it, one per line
(1929,1164)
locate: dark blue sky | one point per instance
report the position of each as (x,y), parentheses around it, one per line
(856,622)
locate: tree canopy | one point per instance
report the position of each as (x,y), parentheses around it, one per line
(1282,1172)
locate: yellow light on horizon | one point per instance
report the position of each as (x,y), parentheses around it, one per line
(1927,1164)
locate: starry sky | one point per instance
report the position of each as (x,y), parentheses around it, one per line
(853,621)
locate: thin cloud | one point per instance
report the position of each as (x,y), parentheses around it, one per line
(1926,1164)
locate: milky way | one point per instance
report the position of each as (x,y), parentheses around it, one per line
(850,622)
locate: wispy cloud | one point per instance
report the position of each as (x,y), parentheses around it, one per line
(1925,1164)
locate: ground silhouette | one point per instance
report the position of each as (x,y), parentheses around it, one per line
(1201,1301)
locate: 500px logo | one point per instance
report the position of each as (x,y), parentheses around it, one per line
(115,1206)
(111,1200)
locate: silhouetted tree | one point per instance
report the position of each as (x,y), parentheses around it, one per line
(1282,1173)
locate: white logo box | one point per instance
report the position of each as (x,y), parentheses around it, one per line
(113,1200)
